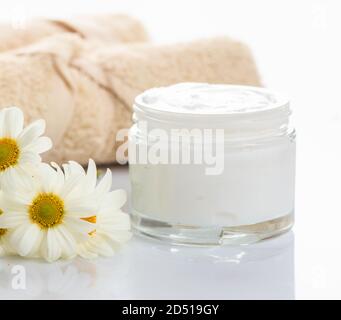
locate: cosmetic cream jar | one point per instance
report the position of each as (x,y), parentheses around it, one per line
(211,164)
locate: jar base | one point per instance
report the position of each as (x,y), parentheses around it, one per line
(210,236)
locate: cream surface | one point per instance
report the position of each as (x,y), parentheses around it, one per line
(203,98)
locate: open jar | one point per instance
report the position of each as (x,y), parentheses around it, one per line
(211,164)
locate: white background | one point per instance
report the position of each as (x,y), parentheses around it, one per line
(297,45)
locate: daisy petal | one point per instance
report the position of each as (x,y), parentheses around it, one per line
(78,225)
(80,211)
(51,250)
(9,204)
(105,184)
(67,171)
(31,238)
(76,168)
(115,199)
(17,234)
(71,182)
(12,220)
(119,237)
(13,122)
(30,157)
(113,222)
(51,180)
(104,249)
(91,176)
(17,186)
(66,242)
(41,145)
(87,253)
(31,133)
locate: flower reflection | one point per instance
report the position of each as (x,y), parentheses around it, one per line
(77,279)
(152,270)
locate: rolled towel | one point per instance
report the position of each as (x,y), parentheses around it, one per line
(106,28)
(86,93)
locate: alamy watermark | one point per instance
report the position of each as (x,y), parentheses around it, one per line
(18,277)
(173,146)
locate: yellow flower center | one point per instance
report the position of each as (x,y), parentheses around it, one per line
(92,219)
(9,153)
(2,231)
(47,210)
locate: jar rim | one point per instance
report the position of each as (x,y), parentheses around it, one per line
(280,106)
(272,121)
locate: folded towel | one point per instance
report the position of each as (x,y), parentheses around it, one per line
(85,93)
(108,28)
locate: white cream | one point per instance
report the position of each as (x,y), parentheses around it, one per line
(251,199)
(203,98)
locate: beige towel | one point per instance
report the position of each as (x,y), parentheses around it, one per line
(110,28)
(85,93)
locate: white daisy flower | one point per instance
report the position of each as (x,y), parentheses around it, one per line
(20,147)
(111,225)
(44,213)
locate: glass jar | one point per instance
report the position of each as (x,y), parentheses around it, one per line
(211,164)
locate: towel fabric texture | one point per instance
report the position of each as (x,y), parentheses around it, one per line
(83,83)
(104,28)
